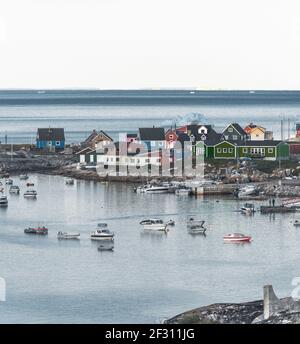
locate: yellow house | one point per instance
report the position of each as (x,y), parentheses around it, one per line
(255,132)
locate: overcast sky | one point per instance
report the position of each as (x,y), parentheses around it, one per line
(208,44)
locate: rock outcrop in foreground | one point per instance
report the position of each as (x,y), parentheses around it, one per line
(270,310)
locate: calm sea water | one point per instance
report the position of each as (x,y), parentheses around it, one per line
(22,112)
(148,277)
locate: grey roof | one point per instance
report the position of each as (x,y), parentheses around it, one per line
(238,128)
(152,134)
(132,135)
(256,143)
(94,134)
(51,134)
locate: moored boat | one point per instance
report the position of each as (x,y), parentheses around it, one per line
(30,194)
(23,176)
(9,182)
(154,224)
(30,184)
(247,190)
(64,235)
(3,201)
(237,238)
(102,234)
(69,181)
(195,226)
(39,230)
(296,223)
(106,247)
(248,208)
(291,202)
(183,191)
(14,189)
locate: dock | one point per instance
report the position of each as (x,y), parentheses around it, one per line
(222,189)
(276,209)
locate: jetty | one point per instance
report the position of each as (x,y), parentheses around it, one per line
(220,189)
(276,209)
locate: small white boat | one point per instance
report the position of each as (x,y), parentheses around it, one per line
(296,223)
(3,201)
(195,226)
(102,234)
(102,225)
(182,191)
(154,224)
(165,188)
(70,181)
(192,223)
(23,176)
(14,189)
(9,182)
(30,194)
(247,190)
(248,208)
(237,238)
(170,223)
(64,235)
(106,247)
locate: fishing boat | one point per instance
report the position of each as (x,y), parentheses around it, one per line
(70,181)
(237,238)
(102,234)
(23,176)
(247,190)
(14,189)
(3,201)
(9,182)
(30,194)
(64,235)
(154,224)
(39,230)
(248,208)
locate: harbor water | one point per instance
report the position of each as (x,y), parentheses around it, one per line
(149,276)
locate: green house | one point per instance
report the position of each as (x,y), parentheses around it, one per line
(266,150)
(225,150)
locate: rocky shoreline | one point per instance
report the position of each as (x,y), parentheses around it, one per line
(269,185)
(270,310)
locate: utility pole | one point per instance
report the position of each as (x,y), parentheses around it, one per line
(289,129)
(281,129)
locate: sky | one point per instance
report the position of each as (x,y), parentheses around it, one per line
(132,44)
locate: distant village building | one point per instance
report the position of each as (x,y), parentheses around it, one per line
(153,137)
(234,132)
(257,132)
(96,139)
(52,139)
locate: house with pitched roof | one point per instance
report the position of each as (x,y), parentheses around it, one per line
(153,137)
(52,139)
(234,132)
(96,139)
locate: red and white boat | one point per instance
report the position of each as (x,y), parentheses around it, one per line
(237,238)
(291,202)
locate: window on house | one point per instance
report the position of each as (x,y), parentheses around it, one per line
(230,150)
(226,137)
(245,150)
(230,130)
(57,143)
(270,150)
(234,137)
(224,150)
(171,137)
(219,150)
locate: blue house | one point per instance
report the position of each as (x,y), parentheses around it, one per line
(50,138)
